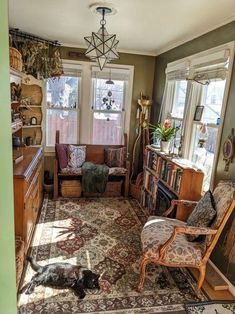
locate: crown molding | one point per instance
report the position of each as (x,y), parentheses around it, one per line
(194,36)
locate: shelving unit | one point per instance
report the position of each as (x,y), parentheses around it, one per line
(32,90)
(177,175)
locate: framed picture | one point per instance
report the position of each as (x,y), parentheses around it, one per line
(33,121)
(228,150)
(198,113)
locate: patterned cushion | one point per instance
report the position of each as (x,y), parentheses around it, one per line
(223,196)
(158,230)
(72,171)
(76,156)
(115,157)
(202,215)
(117,171)
(62,155)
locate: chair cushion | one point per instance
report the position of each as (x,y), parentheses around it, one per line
(202,215)
(62,155)
(158,230)
(76,156)
(223,197)
(115,157)
(115,171)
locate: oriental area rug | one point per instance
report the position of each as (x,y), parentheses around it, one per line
(102,234)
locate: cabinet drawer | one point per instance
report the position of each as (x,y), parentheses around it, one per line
(30,178)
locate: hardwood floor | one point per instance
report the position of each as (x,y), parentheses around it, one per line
(212,294)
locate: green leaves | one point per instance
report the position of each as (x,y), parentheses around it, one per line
(163,133)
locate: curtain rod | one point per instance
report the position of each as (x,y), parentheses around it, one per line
(18,33)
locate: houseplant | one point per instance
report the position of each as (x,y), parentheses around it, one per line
(164,132)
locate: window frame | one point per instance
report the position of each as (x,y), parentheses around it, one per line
(189,110)
(121,112)
(84,130)
(66,67)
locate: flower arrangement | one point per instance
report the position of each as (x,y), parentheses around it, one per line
(164,132)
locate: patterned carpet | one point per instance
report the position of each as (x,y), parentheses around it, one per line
(103,235)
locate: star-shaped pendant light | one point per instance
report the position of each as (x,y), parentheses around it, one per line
(102,47)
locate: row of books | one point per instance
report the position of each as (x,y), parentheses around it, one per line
(149,182)
(165,170)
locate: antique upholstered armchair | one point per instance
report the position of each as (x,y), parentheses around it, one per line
(165,242)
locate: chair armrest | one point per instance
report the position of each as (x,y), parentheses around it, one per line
(195,230)
(185,230)
(178,202)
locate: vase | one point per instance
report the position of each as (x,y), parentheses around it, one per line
(165,146)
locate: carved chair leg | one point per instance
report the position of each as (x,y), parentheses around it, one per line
(143,265)
(126,186)
(202,273)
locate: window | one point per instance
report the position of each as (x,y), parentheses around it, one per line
(199,80)
(204,133)
(108,106)
(84,108)
(62,109)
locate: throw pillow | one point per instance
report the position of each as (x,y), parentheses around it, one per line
(202,215)
(76,156)
(62,155)
(115,157)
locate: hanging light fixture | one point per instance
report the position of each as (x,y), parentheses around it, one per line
(102,46)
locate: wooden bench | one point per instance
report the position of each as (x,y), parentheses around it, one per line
(95,154)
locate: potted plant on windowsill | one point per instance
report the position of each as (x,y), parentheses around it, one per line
(164,132)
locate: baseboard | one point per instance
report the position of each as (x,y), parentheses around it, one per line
(231,287)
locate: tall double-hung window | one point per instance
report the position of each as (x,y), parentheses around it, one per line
(109,105)
(62,107)
(194,98)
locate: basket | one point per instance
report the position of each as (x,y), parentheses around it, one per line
(135,187)
(16,59)
(113,189)
(71,188)
(19,247)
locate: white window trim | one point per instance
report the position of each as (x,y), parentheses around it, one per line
(85,100)
(216,53)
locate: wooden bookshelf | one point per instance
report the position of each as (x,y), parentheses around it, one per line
(177,175)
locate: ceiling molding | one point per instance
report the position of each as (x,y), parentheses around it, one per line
(196,35)
(143,53)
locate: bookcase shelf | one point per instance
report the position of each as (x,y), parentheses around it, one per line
(178,175)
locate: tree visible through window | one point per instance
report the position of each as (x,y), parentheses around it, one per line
(62,105)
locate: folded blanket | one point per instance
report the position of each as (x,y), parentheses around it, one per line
(94,177)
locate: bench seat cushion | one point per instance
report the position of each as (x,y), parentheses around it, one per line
(115,171)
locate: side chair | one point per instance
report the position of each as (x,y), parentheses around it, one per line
(165,242)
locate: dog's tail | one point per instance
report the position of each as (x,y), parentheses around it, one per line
(33,263)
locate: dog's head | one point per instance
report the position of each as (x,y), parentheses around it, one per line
(90,280)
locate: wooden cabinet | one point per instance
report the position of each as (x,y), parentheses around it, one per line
(177,175)
(28,192)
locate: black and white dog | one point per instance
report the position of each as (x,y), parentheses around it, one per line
(62,275)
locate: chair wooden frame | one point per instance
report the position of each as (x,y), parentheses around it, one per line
(215,233)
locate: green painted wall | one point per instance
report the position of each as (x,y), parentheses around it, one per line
(143,81)
(212,39)
(7,249)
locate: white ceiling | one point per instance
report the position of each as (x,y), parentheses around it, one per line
(142,26)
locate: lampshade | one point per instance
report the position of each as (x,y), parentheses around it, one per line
(102,46)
